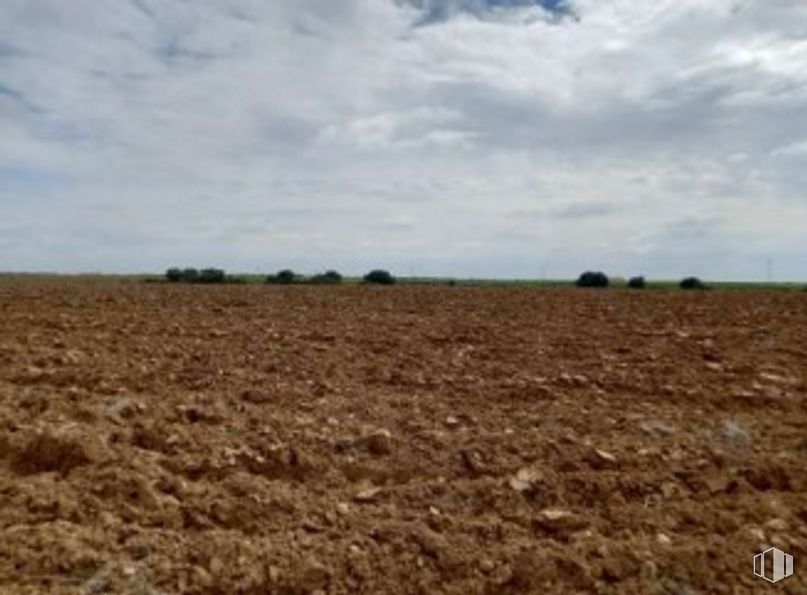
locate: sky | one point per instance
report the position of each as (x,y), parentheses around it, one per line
(483,138)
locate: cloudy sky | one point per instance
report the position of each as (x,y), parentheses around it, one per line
(486,138)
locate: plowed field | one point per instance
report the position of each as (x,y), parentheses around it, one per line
(247,439)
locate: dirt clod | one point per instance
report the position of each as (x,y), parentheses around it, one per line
(602,459)
(57,449)
(379,442)
(560,521)
(368,494)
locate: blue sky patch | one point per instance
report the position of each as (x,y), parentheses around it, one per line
(30,180)
(439,10)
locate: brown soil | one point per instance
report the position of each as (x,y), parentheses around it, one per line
(163,439)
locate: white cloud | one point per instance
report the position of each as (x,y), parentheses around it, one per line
(796,149)
(493,141)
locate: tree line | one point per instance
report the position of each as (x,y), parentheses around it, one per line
(598,279)
(283,277)
(593,279)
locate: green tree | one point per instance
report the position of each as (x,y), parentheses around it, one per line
(379,277)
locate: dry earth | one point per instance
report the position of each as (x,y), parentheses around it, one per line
(161,439)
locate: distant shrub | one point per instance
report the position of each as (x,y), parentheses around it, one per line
(284,277)
(452,282)
(379,277)
(190,276)
(173,275)
(327,278)
(692,283)
(636,283)
(592,279)
(211,276)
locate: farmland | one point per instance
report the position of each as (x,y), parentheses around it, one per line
(157,438)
